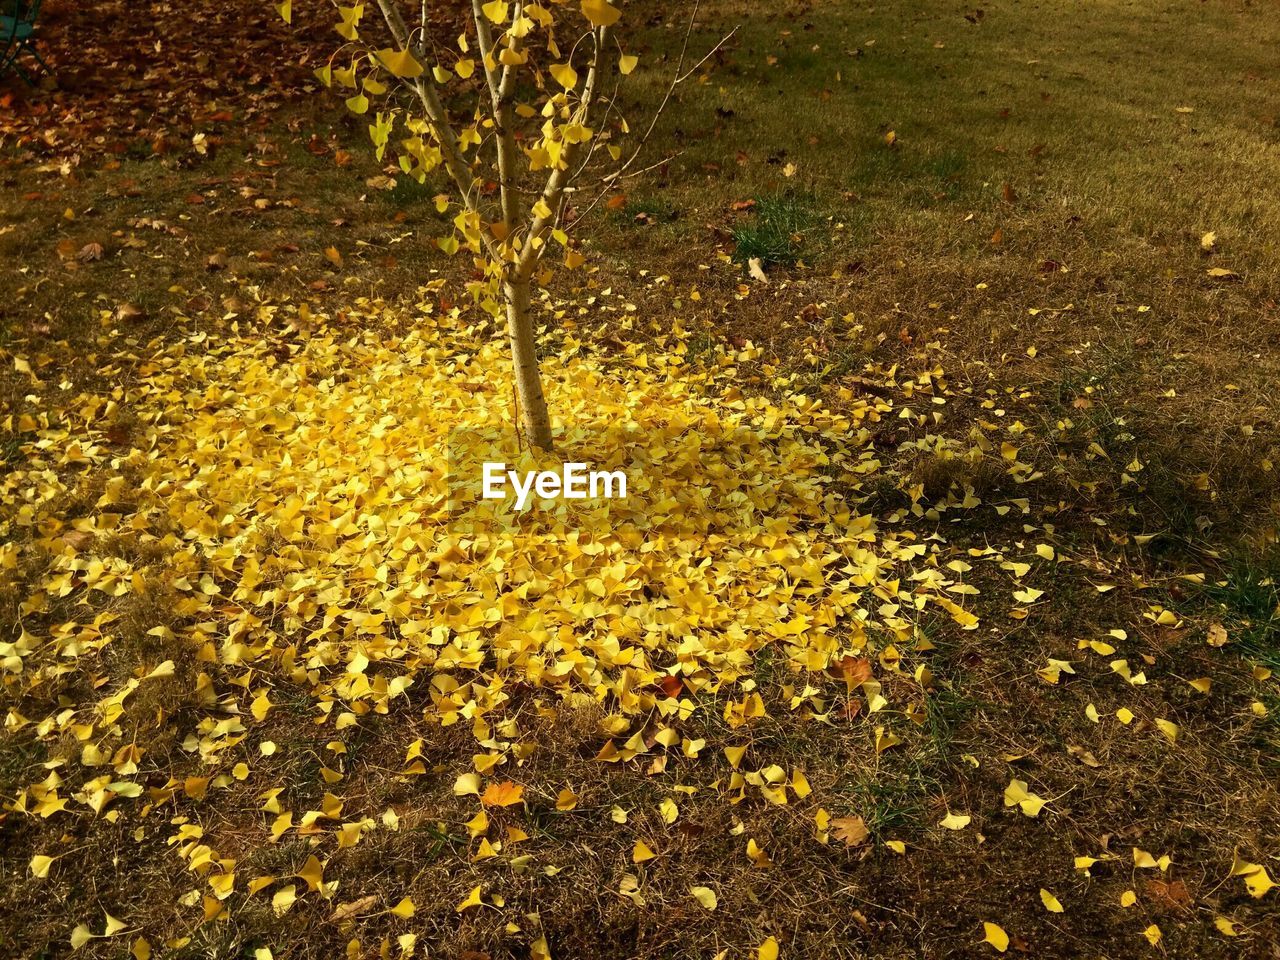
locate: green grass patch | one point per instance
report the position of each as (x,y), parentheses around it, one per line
(776,233)
(1250,598)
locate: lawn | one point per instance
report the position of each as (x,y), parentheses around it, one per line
(943,347)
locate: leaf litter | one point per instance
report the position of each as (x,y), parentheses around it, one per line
(299,496)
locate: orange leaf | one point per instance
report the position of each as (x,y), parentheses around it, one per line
(503,794)
(854,670)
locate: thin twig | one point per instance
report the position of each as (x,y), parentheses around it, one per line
(679,77)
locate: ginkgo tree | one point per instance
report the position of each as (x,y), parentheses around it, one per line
(514,111)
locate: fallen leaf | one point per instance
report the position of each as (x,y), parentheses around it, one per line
(851,830)
(995,935)
(345,911)
(502,794)
(705,896)
(472,900)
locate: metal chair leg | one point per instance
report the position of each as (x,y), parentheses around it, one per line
(17,68)
(35,52)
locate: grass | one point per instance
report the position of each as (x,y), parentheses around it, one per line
(1249,598)
(1033,230)
(775,233)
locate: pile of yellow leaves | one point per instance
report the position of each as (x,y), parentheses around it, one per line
(297,503)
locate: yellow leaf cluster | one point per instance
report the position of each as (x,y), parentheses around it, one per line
(312,503)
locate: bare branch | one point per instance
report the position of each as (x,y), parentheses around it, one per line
(679,77)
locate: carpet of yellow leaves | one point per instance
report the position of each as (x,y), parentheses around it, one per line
(304,504)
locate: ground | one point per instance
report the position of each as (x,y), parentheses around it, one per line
(959,616)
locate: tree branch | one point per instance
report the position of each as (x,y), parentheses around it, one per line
(553,192)
(429,96)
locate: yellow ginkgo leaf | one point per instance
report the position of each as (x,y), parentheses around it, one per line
(1016,794)
(113,927)
(472,900)
(767,950)
(401,63)
(564,75)
(669,811)
(995,935)
(641,852)
(312,872)
(496,11)
(1153,934)
(1051,903)
(404,908)
(955,821)
(705,896)
(285,10)
(566,800)
(1259,882)
(40,865)
(80,936)
(166,669)
(601,13)
(283,900)
(223,884)
(627,64)
(885,739)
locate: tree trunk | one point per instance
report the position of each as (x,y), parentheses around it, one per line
(534,420)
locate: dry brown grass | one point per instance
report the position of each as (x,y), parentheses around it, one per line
(911,256)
